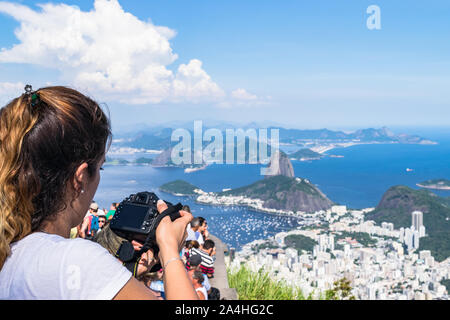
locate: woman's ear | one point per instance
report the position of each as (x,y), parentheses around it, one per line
(80,178)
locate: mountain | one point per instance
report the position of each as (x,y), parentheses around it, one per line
(159,137)
(382,135)
(305,154)
(179,187)
(240,153)
(280,165)
(164,159)
(399,202)
(284,193)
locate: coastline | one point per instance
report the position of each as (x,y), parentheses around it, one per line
(190,170)
(250,203)
(322,149)
(433,187)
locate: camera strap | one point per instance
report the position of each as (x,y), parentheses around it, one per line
(126,254)
(130,257)
(150,243)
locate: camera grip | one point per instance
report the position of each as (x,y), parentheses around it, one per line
(175,215)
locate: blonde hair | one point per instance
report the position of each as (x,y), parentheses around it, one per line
(41,145)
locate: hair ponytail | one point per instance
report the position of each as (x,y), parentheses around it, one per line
(16,191)
(42,142)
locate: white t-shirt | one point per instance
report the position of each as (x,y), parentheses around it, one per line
(203,290)
(50,267)
(193,235)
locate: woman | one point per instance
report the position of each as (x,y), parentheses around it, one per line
(52,146)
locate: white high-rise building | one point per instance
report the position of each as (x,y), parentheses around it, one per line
(422,232)
(417,220)
(416,237)
(408,239)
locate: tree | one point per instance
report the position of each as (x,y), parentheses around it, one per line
(341,291)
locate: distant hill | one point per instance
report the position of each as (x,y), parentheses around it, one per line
(363,135)
(284,193)
(305,154)
(159,138)
(239,154)
(439,184)
(163,159)
(399,202)
(179,187)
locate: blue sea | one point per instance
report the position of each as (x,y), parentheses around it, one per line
(357,180)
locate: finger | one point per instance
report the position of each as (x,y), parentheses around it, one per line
(186,217)
(136,245)
(183,213)
(161,206)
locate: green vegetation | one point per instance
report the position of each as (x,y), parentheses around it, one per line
(143,161)
(446,283)
(305,154)
(399,202)
(438,244)
(363,238)
(273,186)
(123,162)
(115,162)
(179,187)
(299,242)
(281,192)
(265,245)
(260,286)
(341,291)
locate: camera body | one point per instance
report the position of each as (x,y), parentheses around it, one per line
(136,217)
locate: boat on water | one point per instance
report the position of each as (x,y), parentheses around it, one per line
(409,169)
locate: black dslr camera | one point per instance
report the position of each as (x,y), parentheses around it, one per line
(137,218)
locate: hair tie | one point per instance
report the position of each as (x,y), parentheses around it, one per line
(32,95)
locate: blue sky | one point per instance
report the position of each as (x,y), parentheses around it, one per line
(306,64)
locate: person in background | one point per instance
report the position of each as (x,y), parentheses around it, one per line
(194,265)
(90,222)
(112,210)
(112,242)
(203,228)
(157,284)
(206,252)
(147,279)
(193,232)
(101,223)
(185,253)
(197,279)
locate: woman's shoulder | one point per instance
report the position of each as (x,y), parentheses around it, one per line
(75,268)
(45,246)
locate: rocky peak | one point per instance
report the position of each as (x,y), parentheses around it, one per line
(280,165)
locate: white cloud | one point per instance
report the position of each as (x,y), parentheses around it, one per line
(107,52)
(9,91)
(242,94)
(242,98)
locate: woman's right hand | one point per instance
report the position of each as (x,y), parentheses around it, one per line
(171,235)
